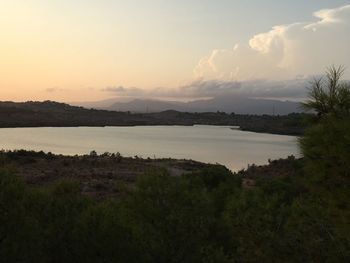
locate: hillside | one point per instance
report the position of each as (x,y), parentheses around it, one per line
(228,104)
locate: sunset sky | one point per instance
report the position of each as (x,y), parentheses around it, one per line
(86,50)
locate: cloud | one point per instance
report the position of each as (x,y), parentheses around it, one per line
(125,91)
(114,89)
(294,89)
(277,64)
(285,51)
(55,89)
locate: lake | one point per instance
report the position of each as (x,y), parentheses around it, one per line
(211,144)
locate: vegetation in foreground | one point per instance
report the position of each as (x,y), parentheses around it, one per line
(99,176)
(204,216)
(299,215)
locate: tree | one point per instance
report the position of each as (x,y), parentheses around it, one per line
(329,95)
(326,144)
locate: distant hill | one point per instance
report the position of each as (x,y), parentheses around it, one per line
(144,106)
(228,104)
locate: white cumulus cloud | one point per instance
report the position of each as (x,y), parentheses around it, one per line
(286,51)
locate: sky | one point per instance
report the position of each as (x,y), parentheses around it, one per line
(87,50)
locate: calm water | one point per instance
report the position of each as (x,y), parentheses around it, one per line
(233,148)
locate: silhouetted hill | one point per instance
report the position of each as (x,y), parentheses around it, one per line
(228,104)
(49,113)
(241,105)
(144,106)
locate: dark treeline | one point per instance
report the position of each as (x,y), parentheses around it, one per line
(48,113)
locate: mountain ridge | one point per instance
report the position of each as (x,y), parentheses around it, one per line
(228,104)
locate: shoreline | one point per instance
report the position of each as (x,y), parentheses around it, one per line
(232,127)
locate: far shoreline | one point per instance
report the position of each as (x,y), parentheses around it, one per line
(159,125)
(54,114)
